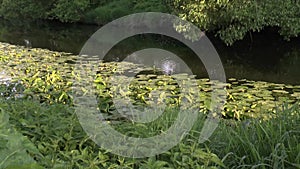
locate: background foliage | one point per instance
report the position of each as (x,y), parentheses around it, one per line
(230,20)
(68,11)
(30,9)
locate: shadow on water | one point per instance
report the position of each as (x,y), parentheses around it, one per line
(260,56)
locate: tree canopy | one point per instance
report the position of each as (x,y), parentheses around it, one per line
(231,20)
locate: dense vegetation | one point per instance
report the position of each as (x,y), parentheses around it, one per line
(88,11)
(34,134)
(39,127)
(230,20)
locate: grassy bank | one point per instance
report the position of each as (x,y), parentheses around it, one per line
(60,142)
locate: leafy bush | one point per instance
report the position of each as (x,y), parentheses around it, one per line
(150,6)
(231,20)
(88,11)
(118,8)
(15,149)
(69,11)
(25,9)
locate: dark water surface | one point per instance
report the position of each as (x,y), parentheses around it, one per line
(261,56)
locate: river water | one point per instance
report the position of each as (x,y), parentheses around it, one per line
(263,56)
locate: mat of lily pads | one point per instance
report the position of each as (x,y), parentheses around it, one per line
(49,76)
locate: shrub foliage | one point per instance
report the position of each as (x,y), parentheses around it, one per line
(230,20)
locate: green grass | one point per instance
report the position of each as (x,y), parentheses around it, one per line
(62,143)
(261,144)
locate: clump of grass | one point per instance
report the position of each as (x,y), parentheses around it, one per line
(272,143)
